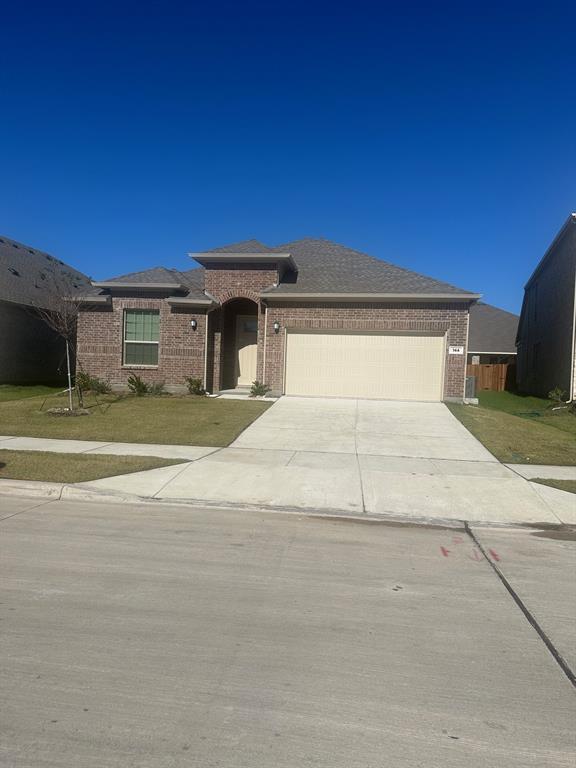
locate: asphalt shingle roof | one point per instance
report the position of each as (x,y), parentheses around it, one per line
(33,278)
(323,267)
(192,278)
(492,329)
(327,267)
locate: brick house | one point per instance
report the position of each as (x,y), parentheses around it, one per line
(546,340)
(307,318)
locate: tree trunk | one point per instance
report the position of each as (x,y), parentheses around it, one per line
(69,376)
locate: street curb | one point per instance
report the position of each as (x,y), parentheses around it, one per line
(31,488)
(65,492)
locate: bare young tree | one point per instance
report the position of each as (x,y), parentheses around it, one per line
(59,309)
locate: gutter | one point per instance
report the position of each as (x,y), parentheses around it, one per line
(96,299)
(289,296)
(143,286)
(187,301)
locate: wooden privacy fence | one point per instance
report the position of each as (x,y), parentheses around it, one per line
(497,376)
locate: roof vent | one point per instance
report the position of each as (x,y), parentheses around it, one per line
(14,245)
(14,271)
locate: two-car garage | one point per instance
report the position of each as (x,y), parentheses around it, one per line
(393,366)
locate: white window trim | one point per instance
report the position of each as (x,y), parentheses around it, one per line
(125,341)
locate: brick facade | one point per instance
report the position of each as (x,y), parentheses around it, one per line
(451,319)
(182,351)
(226,282)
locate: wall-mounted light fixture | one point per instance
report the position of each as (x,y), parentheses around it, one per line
(194,324)
(276,326)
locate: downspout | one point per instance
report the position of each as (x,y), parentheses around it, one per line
(573,350)
(466,351)
(265,336)
(206,349)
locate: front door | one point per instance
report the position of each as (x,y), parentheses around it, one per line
(246,349)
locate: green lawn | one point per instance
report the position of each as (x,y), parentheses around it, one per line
(535,409)
(72,467)
(20,391)
(185,420)
(521,430)
(562,485)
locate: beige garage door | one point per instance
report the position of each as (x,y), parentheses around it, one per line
(391,366)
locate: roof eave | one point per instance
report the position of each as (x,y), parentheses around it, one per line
(224,257)
(187,301)
(115,285)
(570,220)
(96,299)
(412,297)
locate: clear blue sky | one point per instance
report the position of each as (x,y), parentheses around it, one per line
(438,136)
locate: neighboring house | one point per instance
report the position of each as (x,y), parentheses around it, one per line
(29,351)
(546,332)
(310,317)
(492,335)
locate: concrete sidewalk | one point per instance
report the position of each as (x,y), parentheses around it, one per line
(190,452)
(543,471)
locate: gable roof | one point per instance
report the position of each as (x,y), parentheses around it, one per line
(32,277)
(492,330)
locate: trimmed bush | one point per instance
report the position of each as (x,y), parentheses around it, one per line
(258,389)
(194,386)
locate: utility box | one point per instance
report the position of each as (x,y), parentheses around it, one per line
(470,387)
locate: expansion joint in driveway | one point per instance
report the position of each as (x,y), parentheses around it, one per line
(557,656)
(358,459)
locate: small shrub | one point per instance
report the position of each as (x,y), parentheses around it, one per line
(157,388)
(83,381)
(258,389)
(194,386)
(137,386)
(557,395)
(87,383)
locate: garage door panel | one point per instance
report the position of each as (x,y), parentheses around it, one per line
(390,366)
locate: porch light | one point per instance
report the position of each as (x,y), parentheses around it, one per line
(276,326)
(194,324)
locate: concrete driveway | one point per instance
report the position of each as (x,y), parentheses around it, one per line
(169,637)
(352,456)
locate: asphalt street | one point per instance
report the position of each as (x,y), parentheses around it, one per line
(164,636)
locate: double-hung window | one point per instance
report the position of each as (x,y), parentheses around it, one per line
(141,336)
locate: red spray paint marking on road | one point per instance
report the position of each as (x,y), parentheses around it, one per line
(494,555)
(475,555)
(445,551)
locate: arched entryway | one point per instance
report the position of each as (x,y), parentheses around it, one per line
(239,343)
